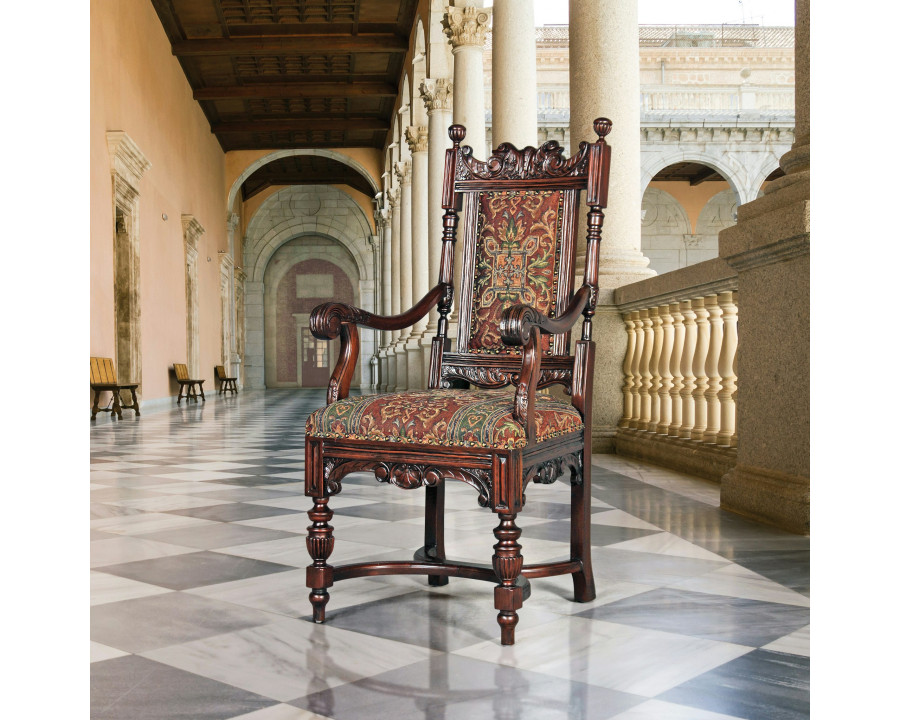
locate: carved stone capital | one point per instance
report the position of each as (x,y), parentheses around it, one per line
(437,94)
(231,221)
(403,171)
(393,198)
(417,138)
(466,25)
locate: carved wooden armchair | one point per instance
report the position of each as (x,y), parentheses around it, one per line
(517,309)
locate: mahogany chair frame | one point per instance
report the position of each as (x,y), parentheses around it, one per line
(500,476)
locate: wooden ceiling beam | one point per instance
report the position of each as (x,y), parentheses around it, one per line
(295,45)
(297,90)
(300,125)
(707,173)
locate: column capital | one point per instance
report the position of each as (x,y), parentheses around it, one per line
(466,26)
(417,138)
(231,221)
(403,171)
(394,199)
(437,94)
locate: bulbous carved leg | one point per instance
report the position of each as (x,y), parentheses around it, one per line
(507,562)
(319,543)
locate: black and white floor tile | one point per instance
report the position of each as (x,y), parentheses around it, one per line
(199,603)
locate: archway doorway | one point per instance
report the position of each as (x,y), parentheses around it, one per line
(303,273)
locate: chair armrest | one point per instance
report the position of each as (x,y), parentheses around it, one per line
(523,325)
(517,320)
(326,319)
(329,320)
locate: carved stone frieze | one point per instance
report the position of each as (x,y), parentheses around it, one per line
(508,162)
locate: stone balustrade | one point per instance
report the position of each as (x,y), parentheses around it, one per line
(680,374)
(731,98)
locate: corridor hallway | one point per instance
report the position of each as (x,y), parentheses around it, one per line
(200,610)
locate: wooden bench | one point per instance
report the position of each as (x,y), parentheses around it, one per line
(103,378)
(226,384)
(184,379)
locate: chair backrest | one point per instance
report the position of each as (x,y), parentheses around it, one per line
(181,371)
(103,372)
(220,372)
(519,217)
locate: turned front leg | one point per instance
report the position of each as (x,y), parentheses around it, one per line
(319,543)
(507,562)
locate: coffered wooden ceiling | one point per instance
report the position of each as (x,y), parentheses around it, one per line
(275,74)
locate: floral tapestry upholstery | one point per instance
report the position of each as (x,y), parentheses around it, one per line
(454,418)
(517,253)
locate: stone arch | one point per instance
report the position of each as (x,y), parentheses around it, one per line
(290,213)
(755,185)
(716,162)
(418,115)
(664,229)
(281,330)
(278,154)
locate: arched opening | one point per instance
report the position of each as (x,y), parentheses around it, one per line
(301,274)
(683,209)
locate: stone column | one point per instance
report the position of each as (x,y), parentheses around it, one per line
(232,358)
(394,199)
(467,27)
(417,137)
(514,77)
(438,96)
(769,248)
(404,266)
(604,81)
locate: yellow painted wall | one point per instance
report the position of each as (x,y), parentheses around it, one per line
(138,87)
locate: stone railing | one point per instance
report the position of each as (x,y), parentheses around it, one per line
(733,98)
(679,394)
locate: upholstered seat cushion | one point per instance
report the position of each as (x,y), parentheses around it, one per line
(455,418)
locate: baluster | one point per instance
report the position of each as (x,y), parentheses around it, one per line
(675,366)
(656,381)
(627,368)
(636,369)
(728,303)
(665,373)
(702,385)
(646,377)
(713,406)
(687,369)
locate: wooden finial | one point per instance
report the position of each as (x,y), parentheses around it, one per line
(602,126)
(457,133)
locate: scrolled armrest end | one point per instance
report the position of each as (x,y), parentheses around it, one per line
(326,319)
(516,323)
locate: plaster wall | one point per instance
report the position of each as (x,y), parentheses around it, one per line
(138,87)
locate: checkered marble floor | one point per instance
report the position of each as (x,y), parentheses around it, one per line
(200,610)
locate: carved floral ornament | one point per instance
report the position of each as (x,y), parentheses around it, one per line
(466,25)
